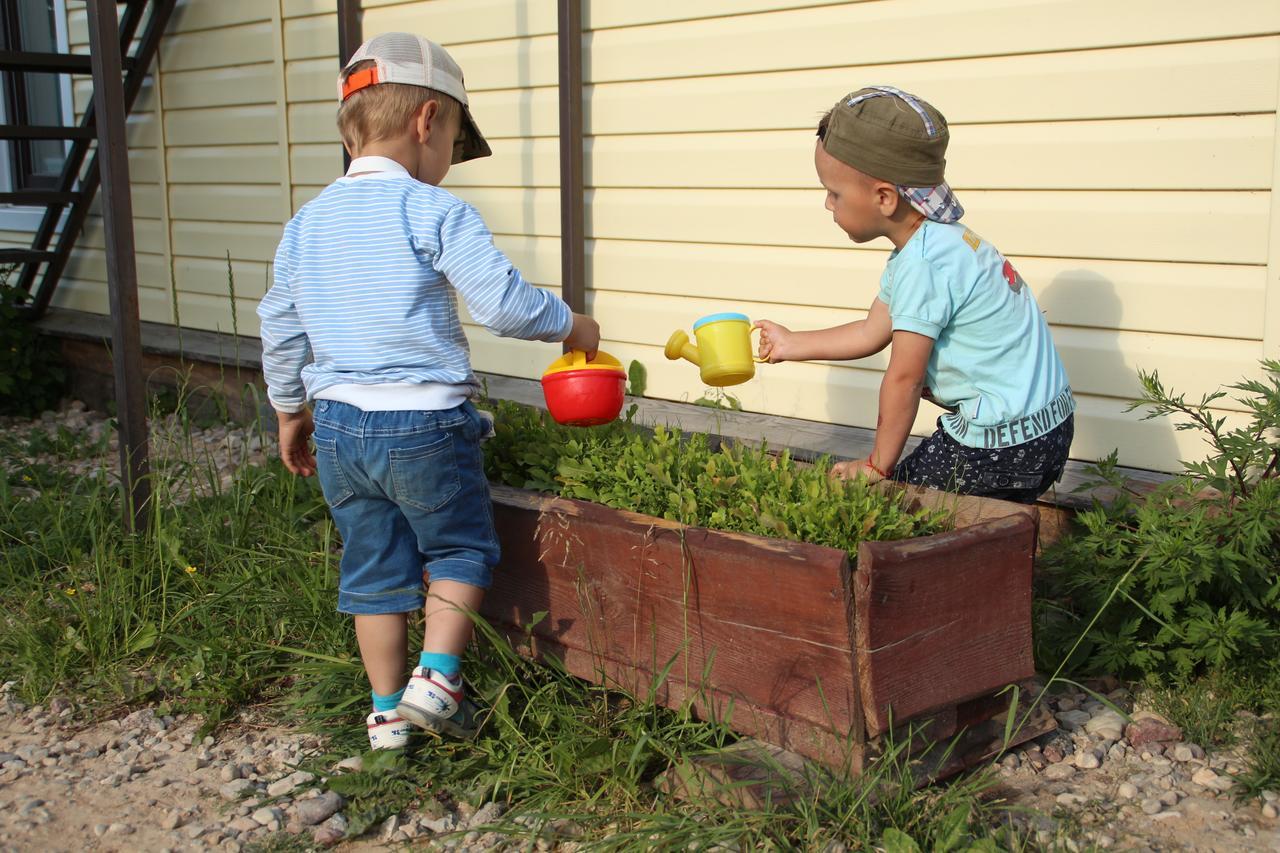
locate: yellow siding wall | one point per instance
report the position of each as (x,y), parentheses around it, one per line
(1123,155)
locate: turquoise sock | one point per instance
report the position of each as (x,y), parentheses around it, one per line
(386,703)
(446,665)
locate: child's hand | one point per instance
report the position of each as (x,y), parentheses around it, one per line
(585,335)
(856,468)
(775,341)
(295,446)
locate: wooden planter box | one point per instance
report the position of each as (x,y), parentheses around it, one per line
(782,640)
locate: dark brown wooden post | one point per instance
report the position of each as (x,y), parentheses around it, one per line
(350,35)
(573,266)
(122,273)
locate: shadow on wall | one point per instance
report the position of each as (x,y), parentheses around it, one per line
(1096,367)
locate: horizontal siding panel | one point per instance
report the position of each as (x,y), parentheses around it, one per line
(247,241)
(227,202)
(213,314)
(249,164)
(76,295)
(312,80)
(1225,301)
(513,63)
(1220,152)
(221,48)
(188,16)
(147,201)
(304,194)
(302,8)
(516,113)
(449,22)
(1207,227)
(242,125)
(148,235)
(911,31)
(202,15)
(209,276)
(501,18)
(220,87)
(90,265)
(1206,78)
(313,123)
(315,164)
(311,38)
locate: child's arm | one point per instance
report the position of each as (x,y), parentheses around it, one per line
(496,294)
(900,391)
(285,349)
(858,339)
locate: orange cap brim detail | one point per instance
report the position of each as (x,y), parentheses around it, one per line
(359,80)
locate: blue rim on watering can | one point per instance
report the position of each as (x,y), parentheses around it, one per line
(715,318)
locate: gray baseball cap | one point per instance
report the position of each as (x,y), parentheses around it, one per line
(413,60)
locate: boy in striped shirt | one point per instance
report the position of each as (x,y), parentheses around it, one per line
(362,320)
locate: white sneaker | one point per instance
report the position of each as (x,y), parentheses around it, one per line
(436,702)
(387,730)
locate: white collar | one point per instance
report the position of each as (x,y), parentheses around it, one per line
(374,166)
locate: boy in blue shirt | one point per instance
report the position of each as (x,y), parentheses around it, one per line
(362,319)
(966,330)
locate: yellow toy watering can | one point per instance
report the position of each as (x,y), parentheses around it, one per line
(724,351)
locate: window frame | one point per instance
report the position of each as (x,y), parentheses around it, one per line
(28,217)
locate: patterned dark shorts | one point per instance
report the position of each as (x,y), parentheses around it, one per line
(1020,473)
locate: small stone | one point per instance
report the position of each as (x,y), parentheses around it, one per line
(1269,810)
(1271,796)
(1053,754)
(280,787)
(120,829)
(243,824)
(269,816)
(389,827)
(229,772)
(448,823)
(1167,816)
(1182,752)
(354,764)
(1151,806)
(486,814)
(172,820)
(326,836)
(1170,798)
(1072,720)
(1068,799)
(1059,772)
(1148,728)
(1205,777)
(234,789)
(1127,791)
(1106,724)
(316,809)
(1086,760)
(100,829)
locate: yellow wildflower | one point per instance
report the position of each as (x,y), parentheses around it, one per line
(71,590)
(191,570)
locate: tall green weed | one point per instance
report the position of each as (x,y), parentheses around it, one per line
(1194,567)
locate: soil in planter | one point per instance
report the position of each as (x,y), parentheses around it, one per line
(698,480)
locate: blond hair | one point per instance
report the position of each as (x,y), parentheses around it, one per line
(382,111)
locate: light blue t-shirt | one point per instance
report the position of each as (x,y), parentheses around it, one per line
(993,358)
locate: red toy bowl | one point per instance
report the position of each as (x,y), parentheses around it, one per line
(582,393)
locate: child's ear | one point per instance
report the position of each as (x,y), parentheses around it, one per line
(887,198)
(423,119)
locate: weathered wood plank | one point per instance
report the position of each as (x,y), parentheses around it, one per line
(942,618)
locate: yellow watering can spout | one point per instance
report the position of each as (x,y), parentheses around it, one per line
(678,346)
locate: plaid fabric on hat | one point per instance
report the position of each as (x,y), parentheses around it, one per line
(937,203)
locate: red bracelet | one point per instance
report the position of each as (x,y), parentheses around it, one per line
(873,467)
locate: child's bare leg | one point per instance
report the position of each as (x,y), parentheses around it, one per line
(382,648)
(448,623)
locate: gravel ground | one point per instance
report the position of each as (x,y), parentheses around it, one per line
(144,782)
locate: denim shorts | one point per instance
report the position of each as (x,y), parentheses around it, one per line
(1020,473)
(408,493)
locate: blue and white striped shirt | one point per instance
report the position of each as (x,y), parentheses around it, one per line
(366,282)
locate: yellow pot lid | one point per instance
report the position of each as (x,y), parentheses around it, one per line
(577,360)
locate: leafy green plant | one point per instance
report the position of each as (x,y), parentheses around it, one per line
(31,375)
(1188,576)
(696,480)
(637,378)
